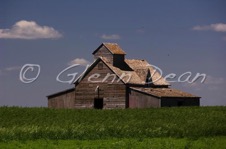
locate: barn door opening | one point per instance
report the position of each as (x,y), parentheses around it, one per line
(98,103)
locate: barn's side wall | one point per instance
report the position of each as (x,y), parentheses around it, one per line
(173,102)
(141,100)
(64,100)
(113,93)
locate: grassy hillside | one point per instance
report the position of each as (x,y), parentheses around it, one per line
(43,123)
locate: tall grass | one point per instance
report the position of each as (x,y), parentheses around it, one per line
(38,123)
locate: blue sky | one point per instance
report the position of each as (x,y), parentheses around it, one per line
(178,36)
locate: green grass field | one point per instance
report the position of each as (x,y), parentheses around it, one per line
(148,143)
(187,127)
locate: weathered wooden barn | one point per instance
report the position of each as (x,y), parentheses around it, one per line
(112,81)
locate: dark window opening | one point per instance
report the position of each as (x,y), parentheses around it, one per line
(98,103)
(149,79)
(100,66)
(180,103)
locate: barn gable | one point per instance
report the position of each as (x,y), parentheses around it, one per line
(113,48)
(113,54)
(100,83)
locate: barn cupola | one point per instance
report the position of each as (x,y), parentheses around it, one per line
(112,53)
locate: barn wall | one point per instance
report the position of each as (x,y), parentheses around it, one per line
(172,102)
(65,100)
(113,93)
(140,100)
(114,103)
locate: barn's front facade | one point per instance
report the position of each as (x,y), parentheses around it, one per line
(112,82)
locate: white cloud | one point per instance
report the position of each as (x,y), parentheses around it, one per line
(210,80)
(9,69)
(211,83)
(29,30)
(140,31)
(13,68)
(218,27)
(110,37)
(80,61)
(201,28)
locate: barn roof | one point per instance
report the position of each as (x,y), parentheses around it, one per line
(61,92)
(138,71)
(164,92)
(142,68)
(114,48)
